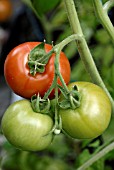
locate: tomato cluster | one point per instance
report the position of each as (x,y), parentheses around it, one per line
(32,130)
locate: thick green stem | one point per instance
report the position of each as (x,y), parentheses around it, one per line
(62,44)
(104,19)
(108,5)
(97,156)
(83,48)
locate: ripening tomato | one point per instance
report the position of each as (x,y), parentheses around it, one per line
(17,74)
(26,129)
(5,10)
(92,117)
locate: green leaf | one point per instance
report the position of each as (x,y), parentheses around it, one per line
(99,165)
(65,104)
(35,59)
(27,2)
(43,6)
(37,52)
(40,105)
(95,144)
(38,59)
(102,37)
(110,79)
(83,157)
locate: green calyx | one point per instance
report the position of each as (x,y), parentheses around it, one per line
(71,99)
(40,105)
(38,59)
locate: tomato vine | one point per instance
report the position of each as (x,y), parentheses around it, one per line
(75,100)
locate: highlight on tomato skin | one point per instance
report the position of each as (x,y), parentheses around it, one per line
(16,71)
(6,10)
(92,117)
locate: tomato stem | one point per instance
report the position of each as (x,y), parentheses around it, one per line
(58,72)
(57,49)
(57,127)
(83,48)
(108,5)
(97,156)
(51,88)
(73,102)
(103,16)
(62,44)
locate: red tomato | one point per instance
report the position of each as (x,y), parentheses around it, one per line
(19,79)
(5,10)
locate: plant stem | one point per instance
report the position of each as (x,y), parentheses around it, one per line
(104,19)
(51,88)
(83,48)
(97,156)
(67,40)
(58,72)
(108,5)
(57,49)
(56,105)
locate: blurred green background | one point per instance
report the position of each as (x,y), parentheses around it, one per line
(52,25)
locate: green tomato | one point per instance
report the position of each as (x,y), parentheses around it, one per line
(26,129)
(92,117)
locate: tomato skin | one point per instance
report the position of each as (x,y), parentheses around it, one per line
(17,74)
(26,129)
(5,10)
(93,115)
